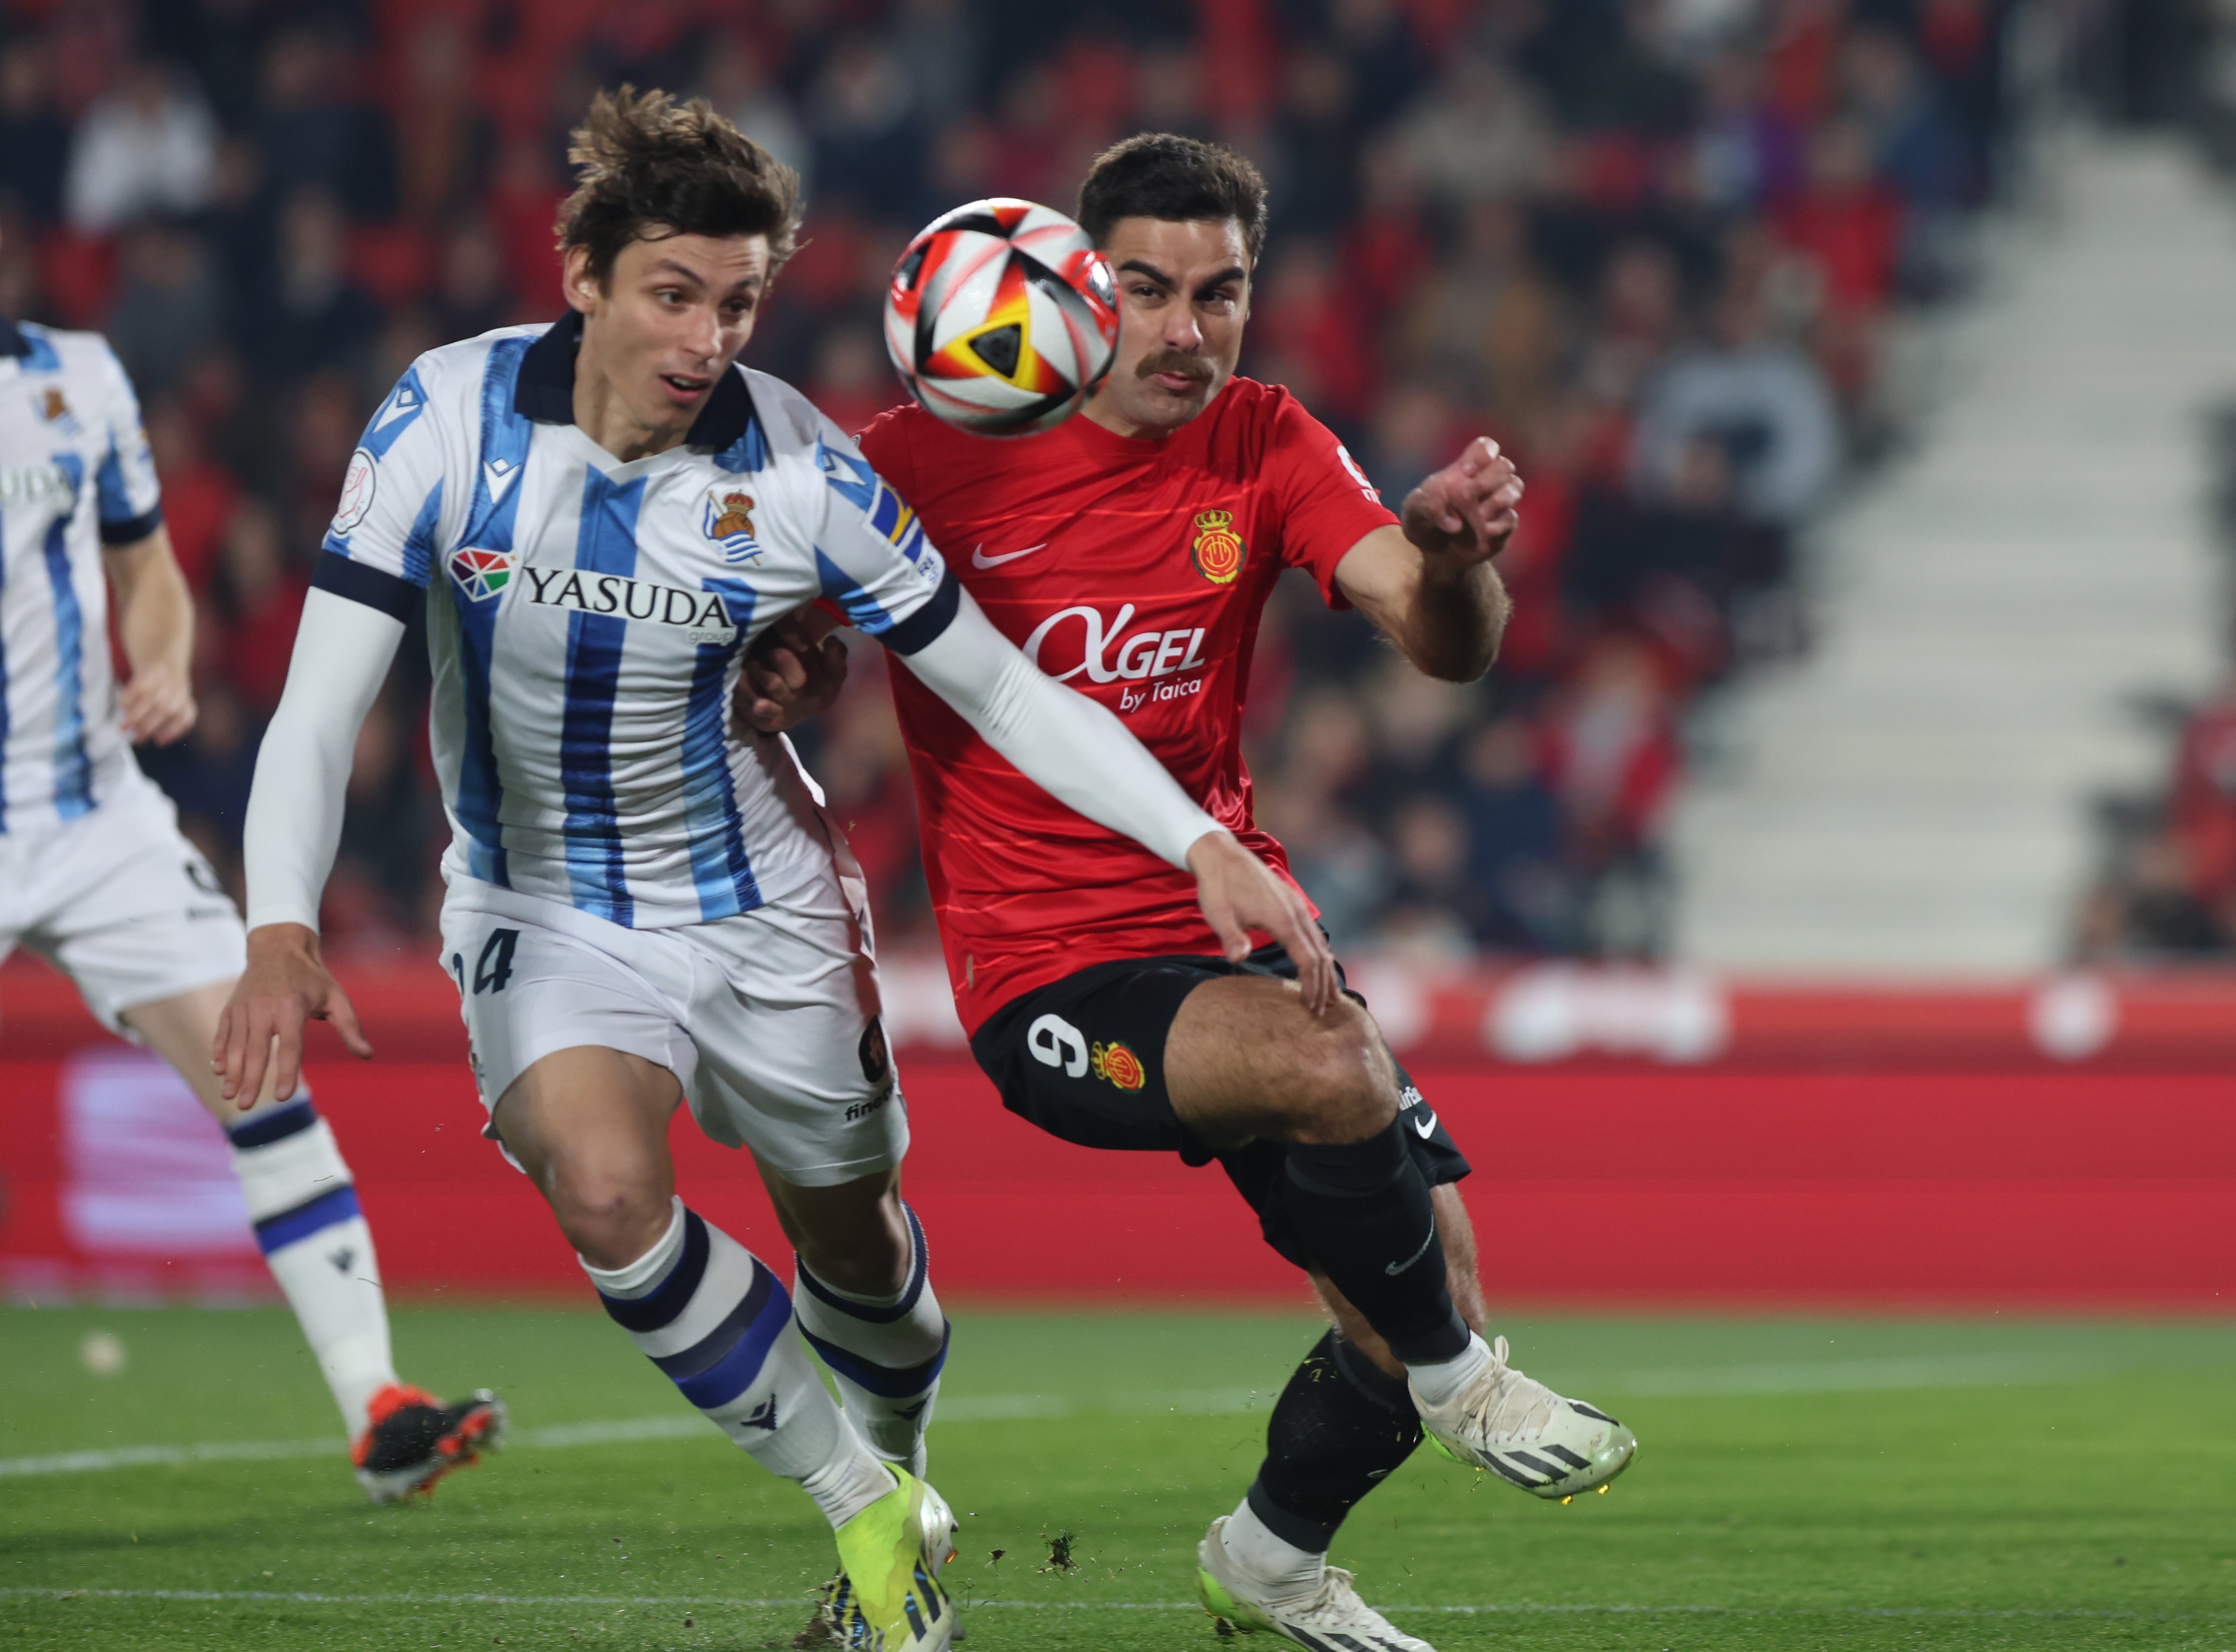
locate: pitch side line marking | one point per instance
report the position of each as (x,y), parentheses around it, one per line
(1830,1376)
(307,1598)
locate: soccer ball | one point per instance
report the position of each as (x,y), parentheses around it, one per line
(1002,317)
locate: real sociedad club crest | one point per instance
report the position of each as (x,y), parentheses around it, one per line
(483,575)
(728,518)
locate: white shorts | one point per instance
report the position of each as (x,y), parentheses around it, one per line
(769,1019)
(121,902)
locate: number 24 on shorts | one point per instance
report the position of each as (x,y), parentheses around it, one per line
(493,968)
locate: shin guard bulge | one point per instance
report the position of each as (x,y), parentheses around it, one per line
(887,1352)
(719,1325)
(314,1238)
(1363,1213)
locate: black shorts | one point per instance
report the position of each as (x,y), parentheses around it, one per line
(1083,1058)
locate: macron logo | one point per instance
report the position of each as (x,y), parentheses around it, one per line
(498,475)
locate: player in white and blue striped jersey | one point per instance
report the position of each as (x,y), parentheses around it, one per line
(96,878)
(647,906)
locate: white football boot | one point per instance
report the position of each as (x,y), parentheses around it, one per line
(1524,1433)
(1333,1619)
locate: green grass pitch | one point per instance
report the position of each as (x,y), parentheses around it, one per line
(1901,1483)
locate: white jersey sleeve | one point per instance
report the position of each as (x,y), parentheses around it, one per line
(871,555)
(129,499)
(392,500)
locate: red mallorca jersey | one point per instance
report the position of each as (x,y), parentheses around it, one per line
(1133,571)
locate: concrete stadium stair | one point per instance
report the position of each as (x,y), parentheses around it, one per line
(1914,796)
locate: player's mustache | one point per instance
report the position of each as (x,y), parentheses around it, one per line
(1173,361)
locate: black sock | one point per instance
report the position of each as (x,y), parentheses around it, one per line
(1361,1212)
(1337,1430)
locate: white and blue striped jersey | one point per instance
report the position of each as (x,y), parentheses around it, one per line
(587,618)
(74,476)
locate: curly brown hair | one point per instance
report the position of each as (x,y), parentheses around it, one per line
(651,167)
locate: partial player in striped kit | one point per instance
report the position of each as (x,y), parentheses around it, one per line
(95,878)
(647,907)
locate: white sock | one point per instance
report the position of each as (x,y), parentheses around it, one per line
(1286,1573)
(1438,1381)
(885,1352)
(714,1320)
(316,1242)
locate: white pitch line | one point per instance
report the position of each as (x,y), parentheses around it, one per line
(1799,1377)
(309,1598)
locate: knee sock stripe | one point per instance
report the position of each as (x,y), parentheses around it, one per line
(723,1366)
(668,1299)
(277,1232)
(276,1125)
(887,1383)
(874,1314)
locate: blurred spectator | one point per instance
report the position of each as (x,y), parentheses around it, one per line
(168,307)
(1305,333)
(198,496)
(34,140)
(471,295)
(1611,754)
(444,141)
(1766,404)
(1746,153)
(737,84)
(317,319)
(1314,182)
(148,145)
(868,148)
(262,599)
(1478,133)
(1527,898)
(312,137)
(1485,321)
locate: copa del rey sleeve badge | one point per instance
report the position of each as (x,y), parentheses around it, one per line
(1217,551)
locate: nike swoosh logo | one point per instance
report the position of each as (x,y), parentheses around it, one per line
(980,560)
(1397,1268)
(1425,1124)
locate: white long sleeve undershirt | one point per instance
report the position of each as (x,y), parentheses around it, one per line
(1067,744)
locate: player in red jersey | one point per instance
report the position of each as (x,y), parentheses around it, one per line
(1129,554)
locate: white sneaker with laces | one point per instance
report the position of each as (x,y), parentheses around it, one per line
(1524,1433)
(1333,1619)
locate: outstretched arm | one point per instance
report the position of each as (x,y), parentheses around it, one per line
(1429,584)
(1081,754)
(342,652)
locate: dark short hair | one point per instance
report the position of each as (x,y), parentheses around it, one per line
(650,167)
(1162,174)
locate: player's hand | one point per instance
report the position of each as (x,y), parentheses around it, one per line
(285,984)
(1239,893)
(789,677)
(157,705)
(1466,513)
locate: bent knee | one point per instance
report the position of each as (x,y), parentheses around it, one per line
(610,1220)
(1341,1086)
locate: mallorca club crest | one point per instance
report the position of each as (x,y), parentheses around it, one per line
(1116,1062)
(1217,551)
(483,575)
(728,518)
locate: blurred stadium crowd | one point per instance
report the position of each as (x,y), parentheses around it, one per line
(1659,249)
